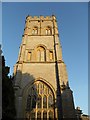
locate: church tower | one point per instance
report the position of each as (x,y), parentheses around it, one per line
(41,82)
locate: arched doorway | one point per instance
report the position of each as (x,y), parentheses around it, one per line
(40,102)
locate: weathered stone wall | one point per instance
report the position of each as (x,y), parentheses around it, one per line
(27,71)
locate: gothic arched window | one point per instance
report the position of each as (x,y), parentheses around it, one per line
(48,30)
(35,31)
(41,54)
(40,102)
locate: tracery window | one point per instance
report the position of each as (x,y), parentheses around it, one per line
(41,54)
(48,30)
(40,101)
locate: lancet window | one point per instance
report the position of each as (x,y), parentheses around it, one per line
(40,102)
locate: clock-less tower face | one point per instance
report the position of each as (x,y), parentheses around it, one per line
(35,70)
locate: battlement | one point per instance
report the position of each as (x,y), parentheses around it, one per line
(40,17)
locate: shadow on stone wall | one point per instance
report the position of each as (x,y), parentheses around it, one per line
(67,102)
(26,90)
(28,95)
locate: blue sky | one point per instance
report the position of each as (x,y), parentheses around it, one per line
(72,21)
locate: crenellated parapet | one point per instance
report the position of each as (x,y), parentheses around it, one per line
(40,18)
(42,25)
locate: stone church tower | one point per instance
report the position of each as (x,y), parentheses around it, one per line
(41,81)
